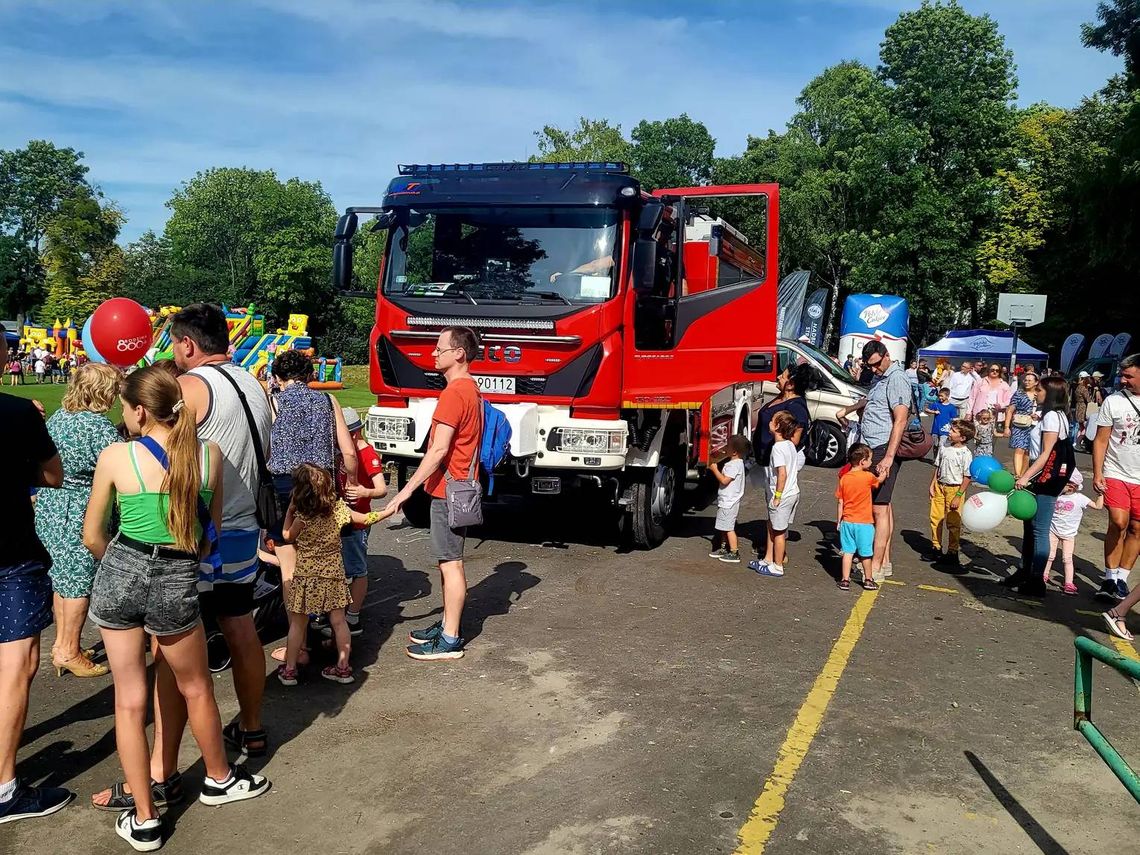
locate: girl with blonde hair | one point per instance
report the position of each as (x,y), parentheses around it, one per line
(80,430)
(168,487)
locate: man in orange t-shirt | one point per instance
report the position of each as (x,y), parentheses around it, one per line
(453,447)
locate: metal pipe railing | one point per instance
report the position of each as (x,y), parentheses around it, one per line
(1087,650)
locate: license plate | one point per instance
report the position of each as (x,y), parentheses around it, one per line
(502,385)
(549,486)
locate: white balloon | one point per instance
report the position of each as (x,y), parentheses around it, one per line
(984,511)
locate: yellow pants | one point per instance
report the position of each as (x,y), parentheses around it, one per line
(940,512)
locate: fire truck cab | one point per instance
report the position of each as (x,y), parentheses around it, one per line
(624,334)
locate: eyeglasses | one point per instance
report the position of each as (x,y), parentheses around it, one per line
(444,349)
(995,371)
(874,364)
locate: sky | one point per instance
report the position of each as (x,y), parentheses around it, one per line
(341,91)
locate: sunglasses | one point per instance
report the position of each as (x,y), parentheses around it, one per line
(874,364)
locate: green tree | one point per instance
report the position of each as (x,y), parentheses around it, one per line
(34,182)
(1118,32)
(266,240)
(589,140)
(82,260)
(676,152)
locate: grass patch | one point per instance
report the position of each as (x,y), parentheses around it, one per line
(355,394)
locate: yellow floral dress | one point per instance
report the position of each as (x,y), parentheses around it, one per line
(319,585)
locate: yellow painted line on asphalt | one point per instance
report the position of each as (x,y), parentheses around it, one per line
(1124,648)
(939,590)
(893,582)
(765,813)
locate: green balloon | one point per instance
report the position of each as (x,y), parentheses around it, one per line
(1022,505)
(1001,482)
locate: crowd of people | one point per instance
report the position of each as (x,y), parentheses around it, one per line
(41,363)
(149,526)
(1039,417)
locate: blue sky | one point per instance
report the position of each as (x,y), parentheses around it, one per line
(341,91)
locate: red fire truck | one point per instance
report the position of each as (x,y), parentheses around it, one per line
(624,334)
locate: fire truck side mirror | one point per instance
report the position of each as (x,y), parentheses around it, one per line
(644,265)
(342,252)
(714,241)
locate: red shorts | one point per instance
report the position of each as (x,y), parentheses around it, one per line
(1123,496)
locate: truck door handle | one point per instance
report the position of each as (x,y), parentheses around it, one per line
(758,363)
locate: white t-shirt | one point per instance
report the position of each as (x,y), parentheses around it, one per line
(953,463)
(1052,422)
(728,495)
(1067,514)
(1122,457)
(784,454)
(960,385)
(40,367)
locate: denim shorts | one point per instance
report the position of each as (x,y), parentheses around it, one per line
(25,600)
(446,542)
(354,551)
(138,589)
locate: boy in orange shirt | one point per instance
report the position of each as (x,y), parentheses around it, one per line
(856,524)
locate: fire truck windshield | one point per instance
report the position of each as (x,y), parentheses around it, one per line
(509,254)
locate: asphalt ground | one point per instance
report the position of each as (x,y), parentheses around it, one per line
(661,702)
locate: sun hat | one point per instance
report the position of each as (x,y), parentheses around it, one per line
(1083,374)
(1077,479)
(352,419)
(1098,374)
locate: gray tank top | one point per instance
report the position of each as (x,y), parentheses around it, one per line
(225,423)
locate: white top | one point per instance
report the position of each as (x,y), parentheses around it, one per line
(728,495)
(1067,514)
(1052,422)
(40,366)
(1122,457)
(953,463)
(784,454)
(959,384)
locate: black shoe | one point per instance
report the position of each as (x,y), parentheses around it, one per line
(1032,589)
(142,836)
(1107,591)
(1018,578)
(241,786)
(931,557)
(32,802)
(950,559)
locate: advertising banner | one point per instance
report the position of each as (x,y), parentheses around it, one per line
(814,319)
(1100,346)
(1069,351)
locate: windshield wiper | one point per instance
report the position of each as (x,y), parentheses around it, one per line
(547,295)
(449,289)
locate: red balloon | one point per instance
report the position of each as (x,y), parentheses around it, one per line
(121,331)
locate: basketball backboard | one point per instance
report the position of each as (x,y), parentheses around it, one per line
(1028,310)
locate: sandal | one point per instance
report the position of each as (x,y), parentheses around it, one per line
(278,655)
(252,743)
(164,793)
(870,585)
(1116,625)
(843,585)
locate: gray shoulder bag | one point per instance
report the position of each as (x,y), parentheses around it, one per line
(465,498)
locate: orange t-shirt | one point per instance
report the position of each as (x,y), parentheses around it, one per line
(855,490)
(459,407)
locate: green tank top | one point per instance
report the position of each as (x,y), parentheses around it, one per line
(144,516)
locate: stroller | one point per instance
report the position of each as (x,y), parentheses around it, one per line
(268,616)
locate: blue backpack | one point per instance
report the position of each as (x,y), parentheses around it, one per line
(496,442)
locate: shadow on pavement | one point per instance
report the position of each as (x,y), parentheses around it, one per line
(494,595)
(1037,833)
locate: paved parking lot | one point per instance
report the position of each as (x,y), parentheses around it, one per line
(662,702)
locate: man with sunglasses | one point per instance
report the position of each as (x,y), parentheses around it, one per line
(884,413)
(961,384)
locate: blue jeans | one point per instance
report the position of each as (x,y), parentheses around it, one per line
(1035,538)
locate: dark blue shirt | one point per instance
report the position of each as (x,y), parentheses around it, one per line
(762,440)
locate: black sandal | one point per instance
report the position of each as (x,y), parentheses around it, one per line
(164,793)
(240,739)
(870,585)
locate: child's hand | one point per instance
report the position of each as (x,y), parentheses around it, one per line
(775,503)
(954,505)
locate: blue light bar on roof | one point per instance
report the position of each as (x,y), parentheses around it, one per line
(432,168)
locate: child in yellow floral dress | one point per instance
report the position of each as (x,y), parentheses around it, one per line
(313,524)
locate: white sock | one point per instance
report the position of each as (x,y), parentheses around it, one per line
(7,791)
(1109,574)
(1122,574)
(222,782)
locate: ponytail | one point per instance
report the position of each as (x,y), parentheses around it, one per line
(156,391)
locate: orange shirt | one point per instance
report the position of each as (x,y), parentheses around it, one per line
(459,407)
(855,491)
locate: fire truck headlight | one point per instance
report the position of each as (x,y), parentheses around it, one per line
(574,440)
(389,428)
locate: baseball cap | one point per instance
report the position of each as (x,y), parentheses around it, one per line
(352,419)
(1077,479)
(1098,374)
(1083,374)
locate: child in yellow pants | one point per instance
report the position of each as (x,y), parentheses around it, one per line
(948,491)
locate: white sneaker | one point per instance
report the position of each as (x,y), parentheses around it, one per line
(242,785)
(886,570)
(143,836)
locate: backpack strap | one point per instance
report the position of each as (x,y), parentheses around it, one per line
(258,449)
(214,559)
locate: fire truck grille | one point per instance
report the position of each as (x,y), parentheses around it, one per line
(530,386)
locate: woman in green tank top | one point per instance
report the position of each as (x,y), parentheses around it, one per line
(168,488)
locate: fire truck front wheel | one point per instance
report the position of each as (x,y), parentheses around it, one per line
(654,500)
(417,510)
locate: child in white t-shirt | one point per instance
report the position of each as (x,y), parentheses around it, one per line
(1067,516)
(783,493)
(730,490)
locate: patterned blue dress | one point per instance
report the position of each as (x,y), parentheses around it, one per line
(1023,405)
(80,438)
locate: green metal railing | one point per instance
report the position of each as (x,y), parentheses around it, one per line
(1087,650)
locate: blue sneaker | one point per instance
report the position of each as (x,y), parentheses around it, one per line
(765,569)
(1107,590)
(437,648)
(1121,589)
(32,802)
(422,636)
